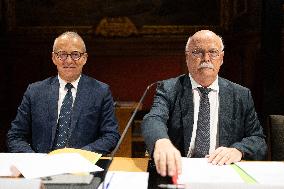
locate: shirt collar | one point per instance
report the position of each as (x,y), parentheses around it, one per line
(214,86)
(62,83)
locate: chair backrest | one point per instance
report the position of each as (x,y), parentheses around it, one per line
(275,137)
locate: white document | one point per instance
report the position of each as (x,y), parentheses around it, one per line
(231,186)
(54,165)
(264,172)
(68,179)
(126,180)
(9,159)
(198,170)
(20,183)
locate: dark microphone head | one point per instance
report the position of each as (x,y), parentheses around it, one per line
(125,131)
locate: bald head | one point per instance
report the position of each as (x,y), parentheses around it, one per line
(203,35)
(69,35)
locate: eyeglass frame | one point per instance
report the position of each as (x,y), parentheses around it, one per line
(68,54)
(197,54)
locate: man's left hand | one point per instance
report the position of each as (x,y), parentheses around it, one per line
(224,156)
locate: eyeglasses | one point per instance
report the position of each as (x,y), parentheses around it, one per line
(199,53)
(75,55)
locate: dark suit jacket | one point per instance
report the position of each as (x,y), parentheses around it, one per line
(93,123)
(171,117)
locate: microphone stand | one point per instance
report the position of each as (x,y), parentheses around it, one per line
(125,131)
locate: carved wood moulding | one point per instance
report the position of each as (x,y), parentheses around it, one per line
(53,17)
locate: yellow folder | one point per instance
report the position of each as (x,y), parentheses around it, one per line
(91,156)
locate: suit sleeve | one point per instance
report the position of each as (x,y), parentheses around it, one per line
(19,135)
(253,145)
(108,128)
(154,124)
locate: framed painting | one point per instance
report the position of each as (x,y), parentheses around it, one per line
(148,17)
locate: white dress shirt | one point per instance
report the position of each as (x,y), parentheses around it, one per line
(214,110)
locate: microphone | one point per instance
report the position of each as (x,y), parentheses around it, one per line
(125,131)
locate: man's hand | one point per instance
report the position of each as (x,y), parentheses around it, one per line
(224,155)
(15,172)
(167,158)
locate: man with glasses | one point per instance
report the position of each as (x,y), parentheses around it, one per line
(68,110)
(201,114)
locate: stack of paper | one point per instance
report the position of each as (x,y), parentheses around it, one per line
(248,174)
(35,165)
(20,183)
(9,159)
(271,173)
(198,170)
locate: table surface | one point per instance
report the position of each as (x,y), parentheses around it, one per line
(129,164)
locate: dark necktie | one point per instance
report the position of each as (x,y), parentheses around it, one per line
(64,121)
(202,140)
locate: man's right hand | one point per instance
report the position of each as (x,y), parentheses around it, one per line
(167,158)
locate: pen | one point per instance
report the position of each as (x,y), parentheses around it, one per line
(107,186)
(172,186)
(175,178)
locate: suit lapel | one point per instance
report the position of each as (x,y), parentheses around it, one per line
(81,99)
(53,96)
(225,112)
(187,112)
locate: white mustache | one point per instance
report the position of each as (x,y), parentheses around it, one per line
(206,65)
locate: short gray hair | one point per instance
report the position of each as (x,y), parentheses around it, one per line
(70,34)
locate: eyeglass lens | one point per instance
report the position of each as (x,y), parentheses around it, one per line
(213,53)
(75,55)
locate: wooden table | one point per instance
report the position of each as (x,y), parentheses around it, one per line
(129,164)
